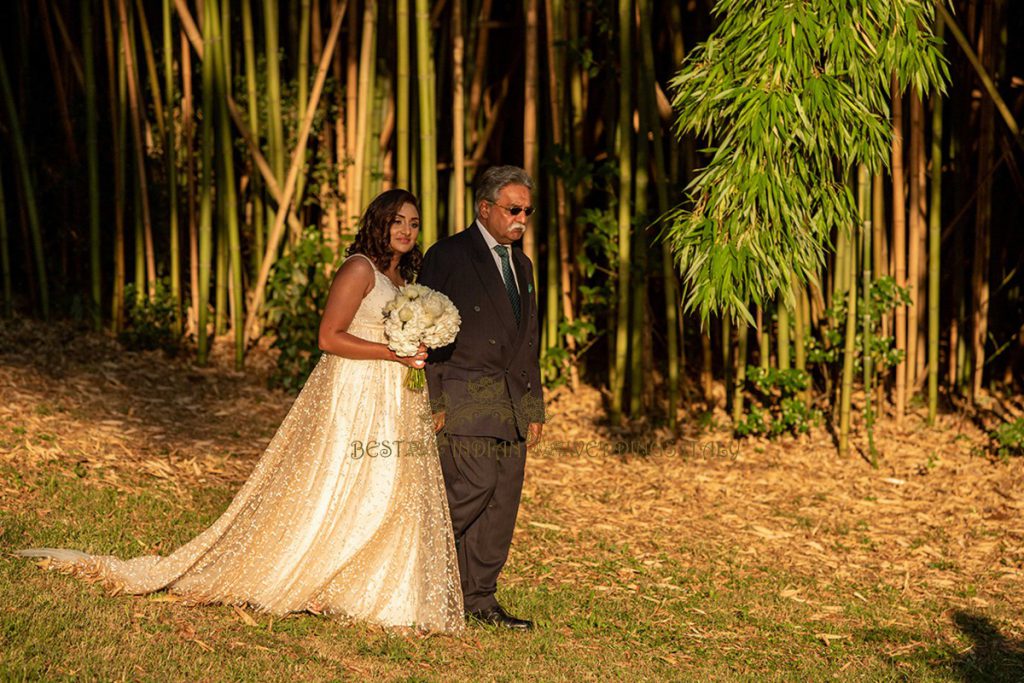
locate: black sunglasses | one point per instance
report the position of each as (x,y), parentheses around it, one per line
(516,210)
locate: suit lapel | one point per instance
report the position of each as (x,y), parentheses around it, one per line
(492,282)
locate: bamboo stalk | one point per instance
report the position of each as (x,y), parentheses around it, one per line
(899,245)
(458,218)
(92,167)
(255,190)
(367,68)
(220,254)
(916,231)
(727,359)
(402,94)
(531,147)
(864,190)
(351,212)
(172,168)
(625,150)
(371,155)
(289,187)
(934,250)
(187,134)
(302,89)
(196,40)
(118,105)
(983,215)
(139,146)
(881,261)
(638,284)
(69,47)
(476,88)
(27,186)
(799,327)
(561,237)
(707,377)
(206,228)
(154,80)
(783,332)
(275,125)
(231,257)
(763,338)
(428,122)
(339,220)
(740,374)
(849,348)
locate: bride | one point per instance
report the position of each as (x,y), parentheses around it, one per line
(320,525)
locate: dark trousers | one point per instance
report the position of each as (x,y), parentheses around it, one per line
(483,478)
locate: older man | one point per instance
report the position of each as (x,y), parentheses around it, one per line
(486,385)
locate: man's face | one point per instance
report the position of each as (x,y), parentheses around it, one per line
(497,217)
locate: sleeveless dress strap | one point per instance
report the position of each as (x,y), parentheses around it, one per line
(372,264)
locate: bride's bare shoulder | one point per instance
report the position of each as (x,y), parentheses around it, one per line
(355,273)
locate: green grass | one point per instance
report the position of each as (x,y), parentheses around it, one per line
(726,616)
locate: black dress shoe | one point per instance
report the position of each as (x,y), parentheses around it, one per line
(497,616)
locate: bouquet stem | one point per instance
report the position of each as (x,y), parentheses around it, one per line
(415,379)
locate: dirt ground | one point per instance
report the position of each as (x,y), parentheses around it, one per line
(940,519)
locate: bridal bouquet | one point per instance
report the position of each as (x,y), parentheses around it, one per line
(419,315)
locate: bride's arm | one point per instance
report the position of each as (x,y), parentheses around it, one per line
(353,281)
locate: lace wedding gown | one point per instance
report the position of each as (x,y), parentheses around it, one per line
(328,521)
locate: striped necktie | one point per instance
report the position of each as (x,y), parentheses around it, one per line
(510,281)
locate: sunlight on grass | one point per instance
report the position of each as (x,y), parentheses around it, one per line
(740,620)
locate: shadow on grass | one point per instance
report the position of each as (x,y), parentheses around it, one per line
(993,657)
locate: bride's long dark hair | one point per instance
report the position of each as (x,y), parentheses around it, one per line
(373,239)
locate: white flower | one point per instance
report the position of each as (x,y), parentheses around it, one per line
(418,315)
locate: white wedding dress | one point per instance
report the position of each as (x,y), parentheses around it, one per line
(321,525)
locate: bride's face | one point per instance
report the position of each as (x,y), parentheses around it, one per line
(405,226)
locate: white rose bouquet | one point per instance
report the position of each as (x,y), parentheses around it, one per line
(419,315)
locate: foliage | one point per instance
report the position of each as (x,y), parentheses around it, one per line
(1009,437)
(793,96)
(779,408)
(555,361)
(296,295)
(885,296)
(150,324)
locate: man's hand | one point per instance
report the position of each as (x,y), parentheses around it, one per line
(438,421)
(534,433)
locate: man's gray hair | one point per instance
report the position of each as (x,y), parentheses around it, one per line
(490,182)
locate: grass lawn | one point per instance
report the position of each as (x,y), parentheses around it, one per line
(763,561)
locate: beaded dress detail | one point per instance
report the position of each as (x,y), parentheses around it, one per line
(345,513)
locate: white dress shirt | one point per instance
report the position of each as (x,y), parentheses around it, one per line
(491,243)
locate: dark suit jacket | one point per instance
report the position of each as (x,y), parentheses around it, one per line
(488,380)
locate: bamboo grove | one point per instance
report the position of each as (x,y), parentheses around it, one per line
(175,151)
